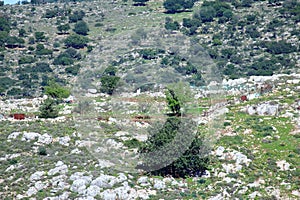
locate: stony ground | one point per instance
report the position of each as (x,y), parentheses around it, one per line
(255,156)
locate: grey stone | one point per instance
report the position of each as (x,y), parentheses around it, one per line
(45,139)
(28,136)
(31,191)
(36,176)
(14,135)
(143,180)
(60,168)
(158,184)
(93,190)
(79,186)
(39,185)
(108,195)
(104,181)
(64,140)
(220,150)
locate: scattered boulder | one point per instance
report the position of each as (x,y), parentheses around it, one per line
(45,139)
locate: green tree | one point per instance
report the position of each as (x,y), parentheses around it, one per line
(162,154)
(4,24)
(22,33)
(39,36)
(76,41)
(81,28)
(171,25)
(109,83)
(76,16)
(177,96)
(63,28)
(207,14)
(56,91)
(49,109)
(173,6)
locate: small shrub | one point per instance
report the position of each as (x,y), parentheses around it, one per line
(48,109)
(42,151)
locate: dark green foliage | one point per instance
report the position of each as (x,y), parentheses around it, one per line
(246,3)
(49,109)
(252,31)
(173,6)
(109,83)
(4,24)
(292,8)
(73,69)
(133,143)
(1,3)
(67,58)
(263,67)
(173,102)
(56,91)
(279,47)
(63,28)
(171,25)
(39,36)
(13,41)
(41,50)
(76,41)
(42,67)
(31,40)
(26,60)
(50,13)
(190,163)
(42,151)
(6,82)
(76,16)
(149,54)
(22,33)
(140,2)
(81,28)
(16,92)
(3,38)
(110,71)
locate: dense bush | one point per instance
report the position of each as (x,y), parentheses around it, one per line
(26,60)
(39,36)
(6,82)
(279,47)
(176,161)
(76,41)
(171,25)
(4,24)
(109,83)
(81,28)
(76,16)
(63,28)
(173,6)
(41,50)
(49,109)
(42,67)
(13,41)
(67,58)
(73,69)
(56,91)
(149,54)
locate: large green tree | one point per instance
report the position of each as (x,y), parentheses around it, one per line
(140,2)
(76,41)
(81,28)
(49,109)
(173,6)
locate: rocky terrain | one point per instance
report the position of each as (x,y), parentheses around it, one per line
(255,156)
